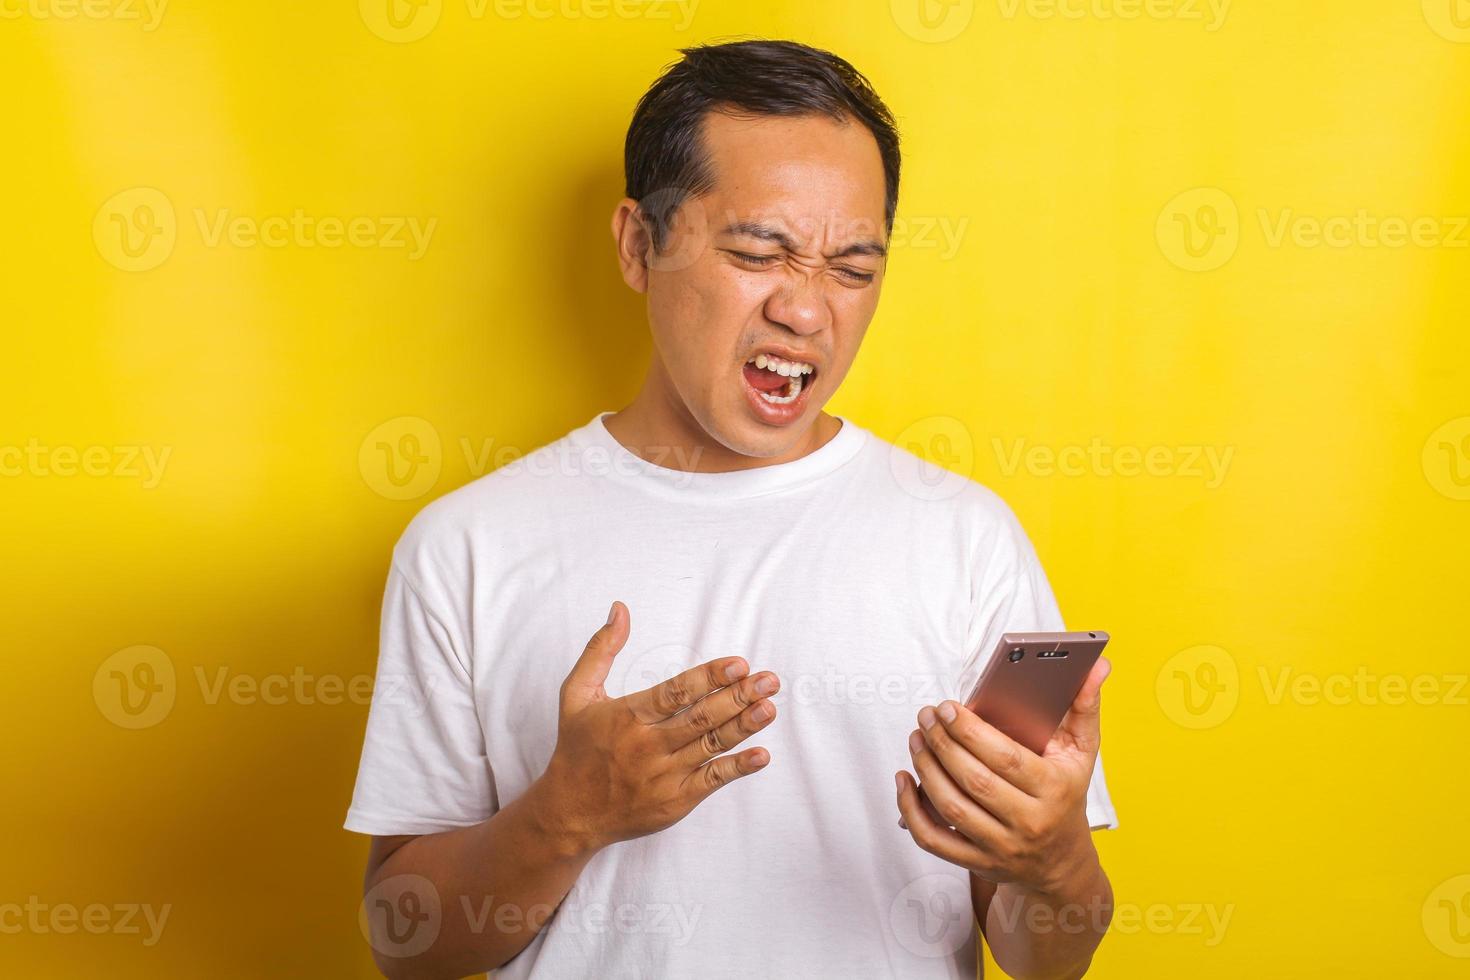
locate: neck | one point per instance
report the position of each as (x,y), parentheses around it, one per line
(658,427)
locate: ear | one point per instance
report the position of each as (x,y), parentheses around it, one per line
(633,242)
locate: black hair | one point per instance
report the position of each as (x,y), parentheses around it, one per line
(664,158)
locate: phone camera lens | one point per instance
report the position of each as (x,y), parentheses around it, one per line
(1017,654)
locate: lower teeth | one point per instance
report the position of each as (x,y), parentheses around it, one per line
(793,388)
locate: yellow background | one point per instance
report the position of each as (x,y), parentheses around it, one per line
(1054,150)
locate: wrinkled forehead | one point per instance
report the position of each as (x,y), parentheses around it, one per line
(816,180)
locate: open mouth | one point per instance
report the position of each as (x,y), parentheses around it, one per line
(776,380)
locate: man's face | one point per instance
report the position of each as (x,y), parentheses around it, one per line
(777,269)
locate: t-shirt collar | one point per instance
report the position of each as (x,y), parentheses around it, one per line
(620,463)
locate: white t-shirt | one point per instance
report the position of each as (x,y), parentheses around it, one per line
(871,582)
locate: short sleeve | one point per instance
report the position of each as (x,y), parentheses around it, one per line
(423,767)
(1012,595)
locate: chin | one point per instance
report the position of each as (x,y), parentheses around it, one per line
(741,431)
(758,415)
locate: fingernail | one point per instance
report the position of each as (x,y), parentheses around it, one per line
(734,671)
(766,685)
(763,711)
(947,712)
(916,743)
(612,612)
(898,781)
(926,716)
(902,824)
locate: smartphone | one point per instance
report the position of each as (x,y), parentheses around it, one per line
(1031,681)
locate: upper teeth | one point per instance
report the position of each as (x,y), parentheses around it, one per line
(784,368)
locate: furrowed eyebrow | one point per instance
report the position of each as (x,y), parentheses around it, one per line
(865,247)
(766,233)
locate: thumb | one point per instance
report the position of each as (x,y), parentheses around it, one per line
(1082,725)
(584,683)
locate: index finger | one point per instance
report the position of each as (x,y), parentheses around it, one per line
(669,697)
(1001,754)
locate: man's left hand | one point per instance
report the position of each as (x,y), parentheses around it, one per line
(991,805)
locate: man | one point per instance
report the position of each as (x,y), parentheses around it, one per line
(554,807)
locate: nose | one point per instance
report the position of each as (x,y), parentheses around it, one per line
(800,306)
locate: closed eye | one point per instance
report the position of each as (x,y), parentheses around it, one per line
(758,261)
(854,276)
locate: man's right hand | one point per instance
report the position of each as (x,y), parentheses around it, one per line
(629,766)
